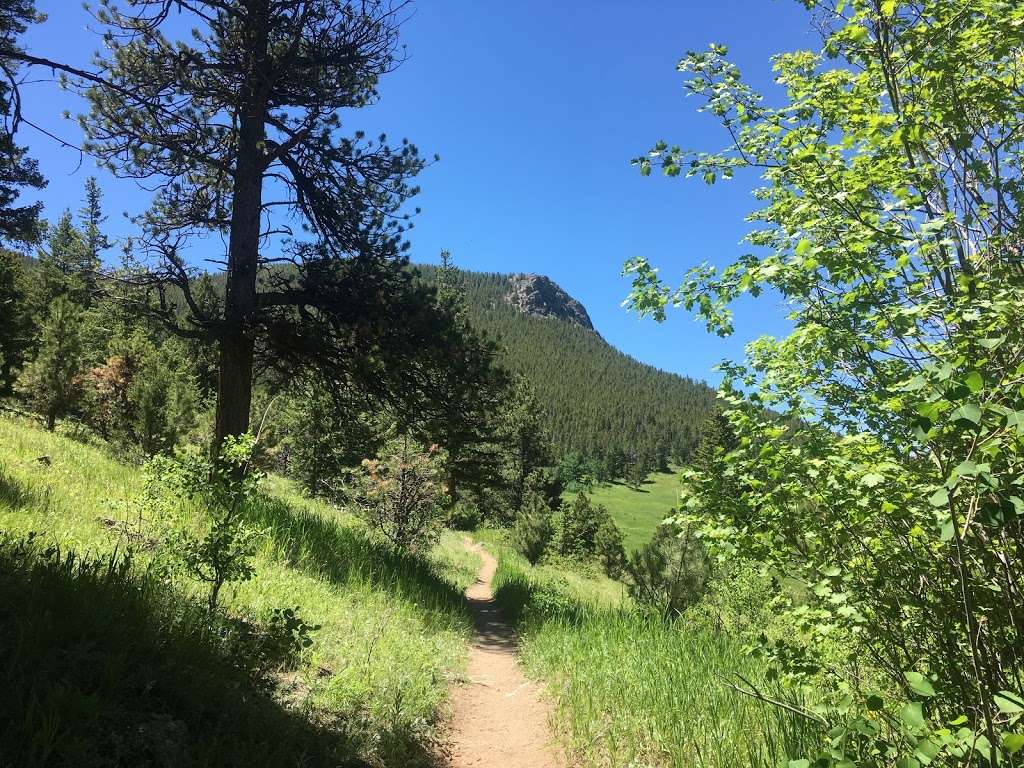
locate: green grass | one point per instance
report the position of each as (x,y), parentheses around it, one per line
(638,512)
(630,690)
(394,628)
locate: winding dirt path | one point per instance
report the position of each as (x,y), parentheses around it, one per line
(498,717)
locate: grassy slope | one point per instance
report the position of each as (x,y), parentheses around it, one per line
(394,629)
(638,512)
(630,690)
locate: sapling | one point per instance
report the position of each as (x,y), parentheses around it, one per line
(222,550)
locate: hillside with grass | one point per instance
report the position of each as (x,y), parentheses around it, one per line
(109,659)
(637,510)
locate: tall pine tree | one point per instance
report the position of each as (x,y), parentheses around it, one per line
(240,128)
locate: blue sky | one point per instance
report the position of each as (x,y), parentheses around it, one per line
(536,109)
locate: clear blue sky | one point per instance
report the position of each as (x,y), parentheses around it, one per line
(536,108)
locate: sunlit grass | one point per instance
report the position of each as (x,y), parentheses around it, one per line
(394,627)
(638,512)
(631,690)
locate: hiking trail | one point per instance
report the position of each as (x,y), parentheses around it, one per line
(498,716)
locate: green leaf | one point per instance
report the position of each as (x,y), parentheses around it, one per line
(888,7)
(907,762)
(940,498)
(919,684)
(872,479)
(1013,742)
(803,763)
(875,702)
(803,247)
(912,715)
(1009,703)
(967,412)
(974,381)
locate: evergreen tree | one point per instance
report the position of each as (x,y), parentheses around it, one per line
(669,573)
(19,224)
(475,389)
(91,220)
(526,445)
(534,527)
(578,526)
(608,545)
(51,380)
(329,434)
(61,266)
(15,319)
(255,96)
(143,395)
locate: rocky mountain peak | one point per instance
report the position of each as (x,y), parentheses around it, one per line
(541,296)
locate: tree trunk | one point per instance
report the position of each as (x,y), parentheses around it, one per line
(238,342)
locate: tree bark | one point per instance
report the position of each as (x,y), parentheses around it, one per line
(237,344)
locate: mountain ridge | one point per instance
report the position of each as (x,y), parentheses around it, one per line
(601,403)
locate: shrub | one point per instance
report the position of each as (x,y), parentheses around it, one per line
(51,382)
(577,527)
(268,645)
(534,528)
(464,516)
(142,396)
(608,546)
(401,494)
(223,488)
(670,573)
(587,532)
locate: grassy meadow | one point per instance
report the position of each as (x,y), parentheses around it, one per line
(631,690)
(393,633)
(637,512)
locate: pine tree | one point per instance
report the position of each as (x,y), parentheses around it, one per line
(466,421)
(527,446)
(91,220)
(60,267)
(210,120)
(51,380)
(19,224)
(15,319)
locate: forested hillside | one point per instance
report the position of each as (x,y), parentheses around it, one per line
(600,402)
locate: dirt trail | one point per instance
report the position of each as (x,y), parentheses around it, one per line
(498,717)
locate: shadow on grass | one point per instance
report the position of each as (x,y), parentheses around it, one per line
(633,488)
(18,495)
(101,666)
(348,555)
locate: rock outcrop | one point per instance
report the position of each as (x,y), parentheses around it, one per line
(539,295)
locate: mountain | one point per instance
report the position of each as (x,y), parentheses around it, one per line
(601,403)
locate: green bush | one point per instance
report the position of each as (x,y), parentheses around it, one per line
(222,548)
(608,547)
(668,574)
(534,528)
(401,493)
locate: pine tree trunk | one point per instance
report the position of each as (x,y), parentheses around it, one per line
(237,344)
